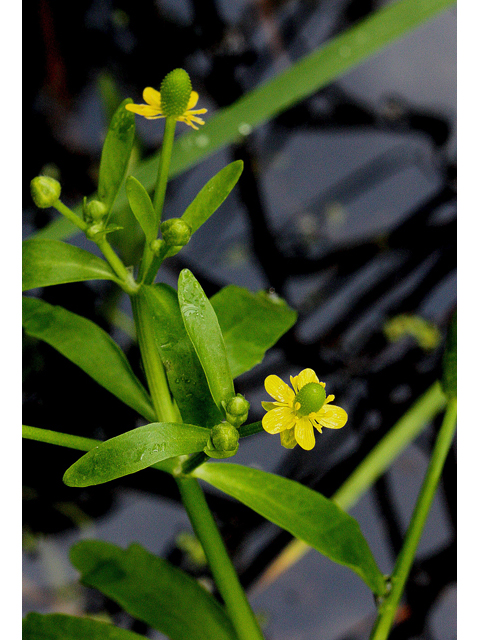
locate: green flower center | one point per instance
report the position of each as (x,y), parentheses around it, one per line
(311,398)
(175,92)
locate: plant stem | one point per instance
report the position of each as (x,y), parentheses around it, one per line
(68,213)
(406,557)
(160,190)
(226,579)
(154,371)
(128,283)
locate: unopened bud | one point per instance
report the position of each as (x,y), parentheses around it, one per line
(176,232)
(45,191)
(95,210)
(224,437)
(236,410)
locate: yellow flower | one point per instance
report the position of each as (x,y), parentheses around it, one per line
(153,109)
(295,413)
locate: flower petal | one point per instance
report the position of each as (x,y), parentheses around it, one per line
(144,110)
(152,97)
(304,433)
(279,390)
(331,417)
(306,376)
(192,101)
(278,420)
(287,439)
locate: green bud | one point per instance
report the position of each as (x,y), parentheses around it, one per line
(175,93)
(45,191)
(176,232)
(95,211)
(236,410)
(224,437)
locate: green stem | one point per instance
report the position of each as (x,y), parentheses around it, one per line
(68,213)
(193,462)
(128,281)
(160,190)
(154,371)
(226,579)
(406,557)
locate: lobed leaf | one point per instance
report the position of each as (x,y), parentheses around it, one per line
(90,348)
(59,626)
(116,154)
(135,450)
(152,590)
(186,377)
(251,323)
(49,262)
(204,331)
(303,512)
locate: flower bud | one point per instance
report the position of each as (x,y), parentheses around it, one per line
(95,211)
(176,232)
(175,93)
(224,437)
(45,191)
(237,410)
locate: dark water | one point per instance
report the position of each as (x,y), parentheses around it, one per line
(346,208)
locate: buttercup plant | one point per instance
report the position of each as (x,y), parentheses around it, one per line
(191,407)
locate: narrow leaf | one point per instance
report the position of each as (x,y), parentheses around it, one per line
(210,197)
(306,514)
(48,262)
(186,377)
(90,348)
(135,450)
(142,208)
(152,590)
(116,154)
(204,331)
(251,323)
(59,626)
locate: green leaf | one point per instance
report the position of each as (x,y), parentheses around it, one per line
(186,377)
(152,590)
(116,154)
(306,514)
(251,323)
(142,208)
(209,198)
(48,262)
(311,73)
(449,364)
(135,450)
(90,348)
(59,626)
(204,331)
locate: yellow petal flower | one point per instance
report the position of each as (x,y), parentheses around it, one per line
(153,110)
(285,415)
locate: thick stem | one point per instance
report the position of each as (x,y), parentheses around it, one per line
(224,574)
(154,371)
(406,557)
